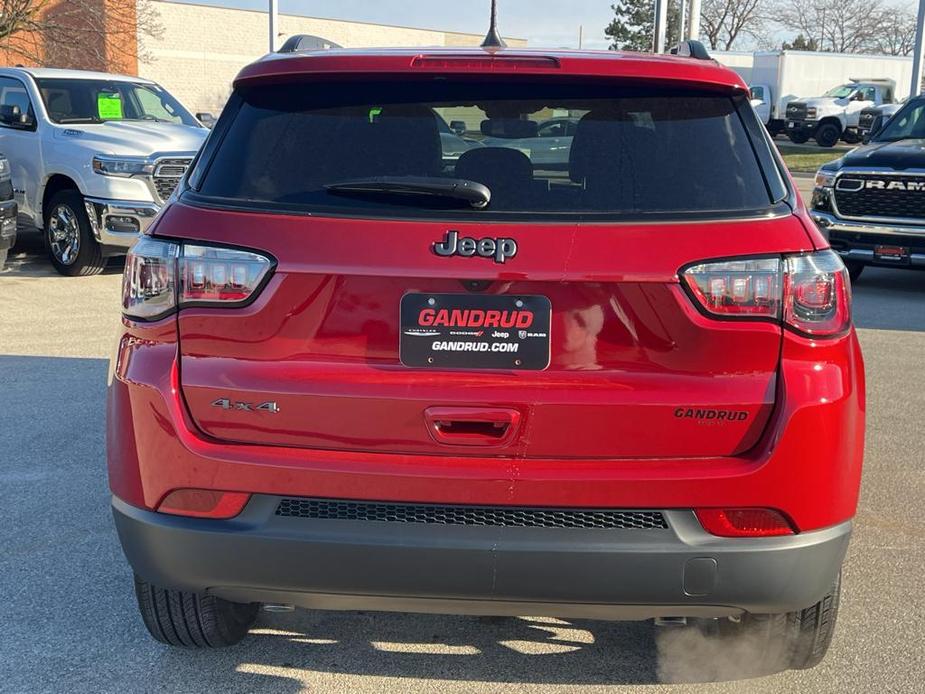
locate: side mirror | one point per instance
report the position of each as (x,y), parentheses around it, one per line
(458,127)
(207,119)
(13,117)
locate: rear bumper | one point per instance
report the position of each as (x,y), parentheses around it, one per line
(461,569)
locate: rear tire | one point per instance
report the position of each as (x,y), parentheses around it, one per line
(193,620)
(795,640)
(798,138)
(854,270)
(827,135)
(815,627)
(68,236)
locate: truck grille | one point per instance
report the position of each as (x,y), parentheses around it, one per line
(903,199)
(167,174)
(517,517)
(866,120)
(796,111)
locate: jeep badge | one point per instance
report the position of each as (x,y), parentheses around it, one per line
(499,249)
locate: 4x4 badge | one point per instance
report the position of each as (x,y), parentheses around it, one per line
(227,404)
(499,249)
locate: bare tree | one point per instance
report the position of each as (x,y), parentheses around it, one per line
(75,33)
(723,22)
(835,25)
(896,35)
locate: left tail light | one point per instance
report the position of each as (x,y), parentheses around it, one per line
(162,276)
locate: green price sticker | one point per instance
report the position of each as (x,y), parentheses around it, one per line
(109,106)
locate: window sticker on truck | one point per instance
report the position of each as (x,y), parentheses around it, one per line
(109,106)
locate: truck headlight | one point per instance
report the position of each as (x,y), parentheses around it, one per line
(825,179)
(122,166)
(810,114)
(4,168)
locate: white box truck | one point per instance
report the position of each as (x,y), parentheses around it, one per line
(821,95)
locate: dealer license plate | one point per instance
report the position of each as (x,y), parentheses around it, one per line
(469,331)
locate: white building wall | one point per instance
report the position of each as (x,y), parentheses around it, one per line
(202,48)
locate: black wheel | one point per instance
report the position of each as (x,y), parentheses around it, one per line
(193,620)
(827,135)
(852,138)
(854,269)
(798,138)
(68,236)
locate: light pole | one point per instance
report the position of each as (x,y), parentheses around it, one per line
(693,22)
(661,19)
(274,23)
(916,85)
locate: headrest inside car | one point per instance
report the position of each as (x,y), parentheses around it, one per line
(509,128)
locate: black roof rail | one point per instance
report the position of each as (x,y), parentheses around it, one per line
(306,42)
(691,49)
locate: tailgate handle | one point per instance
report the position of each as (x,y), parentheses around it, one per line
(472,426)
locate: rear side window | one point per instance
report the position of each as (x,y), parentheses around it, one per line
(541,149)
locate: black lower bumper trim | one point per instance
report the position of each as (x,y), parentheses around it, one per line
(568,572)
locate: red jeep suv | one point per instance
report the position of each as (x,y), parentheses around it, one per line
(400,343)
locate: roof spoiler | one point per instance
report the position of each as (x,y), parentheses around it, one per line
(306,42)
(691,49)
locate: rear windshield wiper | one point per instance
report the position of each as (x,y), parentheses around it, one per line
(461,189)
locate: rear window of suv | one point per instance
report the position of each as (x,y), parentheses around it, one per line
(551,149)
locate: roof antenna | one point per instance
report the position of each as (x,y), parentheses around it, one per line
(493,38)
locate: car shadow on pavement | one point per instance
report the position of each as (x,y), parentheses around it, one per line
(301,646)
(887,299)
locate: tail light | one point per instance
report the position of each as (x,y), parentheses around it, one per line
(161,276)
(203,503)
(743,522)
(809,293)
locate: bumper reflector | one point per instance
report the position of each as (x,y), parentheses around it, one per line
(203,503)
(743,522)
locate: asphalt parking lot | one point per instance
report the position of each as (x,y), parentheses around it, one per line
(70,623)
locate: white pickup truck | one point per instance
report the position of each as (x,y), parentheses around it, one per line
(94,156)
(836,114)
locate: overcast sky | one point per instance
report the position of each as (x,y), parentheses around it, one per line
(546,23)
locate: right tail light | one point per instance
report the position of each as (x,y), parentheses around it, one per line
(162,276)
(810,293)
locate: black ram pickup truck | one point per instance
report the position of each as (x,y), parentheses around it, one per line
(871,202)
(8,211)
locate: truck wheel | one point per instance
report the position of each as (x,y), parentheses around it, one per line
(795,640)
(854,269)
(798,138)
(827,135)
(193,620)
(68,236)
(851,137)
